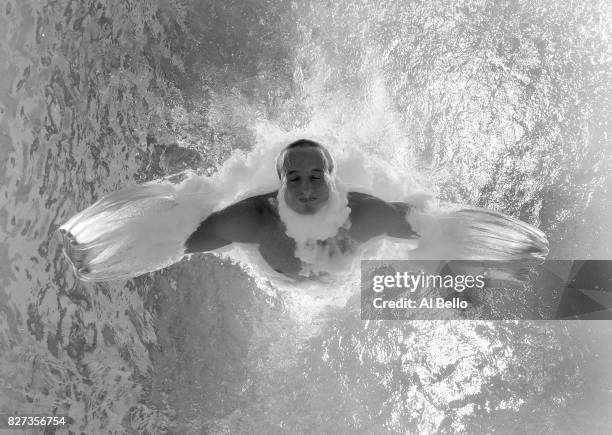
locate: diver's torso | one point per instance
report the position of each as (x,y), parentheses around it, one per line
(279,250)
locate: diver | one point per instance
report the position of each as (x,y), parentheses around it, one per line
(311,220)
(309,210)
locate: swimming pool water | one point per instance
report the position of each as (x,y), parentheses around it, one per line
(492,103)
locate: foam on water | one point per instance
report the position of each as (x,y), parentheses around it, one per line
(143,228)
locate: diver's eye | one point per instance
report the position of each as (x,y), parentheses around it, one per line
(315,178)
(294,179)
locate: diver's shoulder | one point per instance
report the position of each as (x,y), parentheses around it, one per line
(357,199)
(265,196)
(366,207)
(244,219)
(263,204)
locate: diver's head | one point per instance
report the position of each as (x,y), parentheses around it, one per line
(305,168)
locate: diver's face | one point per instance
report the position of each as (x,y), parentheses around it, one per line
(307,188)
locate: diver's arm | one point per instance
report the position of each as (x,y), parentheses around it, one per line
(400,227)
(372,217)
(240,222)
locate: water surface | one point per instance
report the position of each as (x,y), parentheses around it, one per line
(493,103)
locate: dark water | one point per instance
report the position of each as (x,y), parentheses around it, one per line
(502,104)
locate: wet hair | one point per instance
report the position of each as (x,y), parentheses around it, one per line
(304,143)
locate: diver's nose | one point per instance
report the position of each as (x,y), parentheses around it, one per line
(307,190)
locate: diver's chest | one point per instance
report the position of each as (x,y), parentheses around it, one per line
(286,256)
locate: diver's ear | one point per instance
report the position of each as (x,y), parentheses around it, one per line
(331,164)
(280,160)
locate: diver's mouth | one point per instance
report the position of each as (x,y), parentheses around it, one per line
(308,210)
(307,200)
